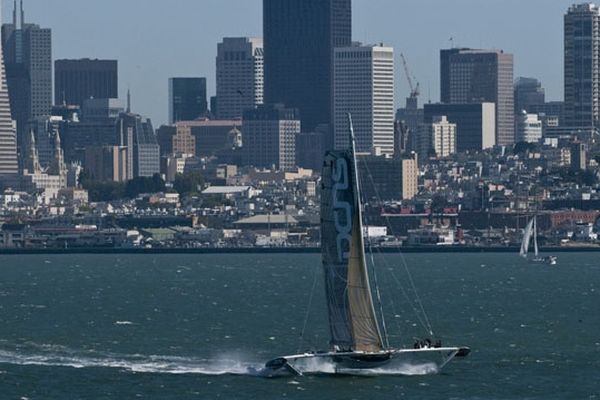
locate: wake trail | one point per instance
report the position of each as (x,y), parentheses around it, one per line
(132,363)
(63,357)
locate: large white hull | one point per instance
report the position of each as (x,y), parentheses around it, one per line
(424,361)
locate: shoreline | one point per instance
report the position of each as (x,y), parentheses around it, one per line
(289,250)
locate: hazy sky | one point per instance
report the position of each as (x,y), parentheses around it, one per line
(156,39)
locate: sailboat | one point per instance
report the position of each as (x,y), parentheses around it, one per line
(529,233)
(356,341)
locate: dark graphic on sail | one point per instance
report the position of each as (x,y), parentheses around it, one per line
(352,319)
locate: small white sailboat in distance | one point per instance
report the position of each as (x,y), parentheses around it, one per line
(356,342)
(529,233)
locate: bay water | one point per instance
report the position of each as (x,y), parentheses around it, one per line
(200,326)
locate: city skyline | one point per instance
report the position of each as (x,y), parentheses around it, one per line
(145,69)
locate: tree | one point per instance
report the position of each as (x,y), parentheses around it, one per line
(523,148)
(141,185)
(438,203)
(188,184)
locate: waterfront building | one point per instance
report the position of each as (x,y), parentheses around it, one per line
(475,123)
(582,65)
(475,76)
(28,60)
(240,76)
(187,99)
(364,87)
(79,80)
(269,135)
(299,40)
(529,128)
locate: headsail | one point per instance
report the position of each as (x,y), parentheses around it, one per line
(352,317)
(527,238)
(535,242)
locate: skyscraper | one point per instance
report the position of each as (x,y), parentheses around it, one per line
(364,87)
(476,76)
(187,99)
(299,39)
(8,139)
(270,137)
(240,76)
(582,66)
(28,60)
(528,92)
(79,80)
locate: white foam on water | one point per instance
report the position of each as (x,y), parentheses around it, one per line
(33,354)
(56,357)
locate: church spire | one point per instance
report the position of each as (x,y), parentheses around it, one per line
(34,159)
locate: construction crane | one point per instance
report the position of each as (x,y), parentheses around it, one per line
(415,90)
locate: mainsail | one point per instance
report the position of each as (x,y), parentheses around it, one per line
(352,319)
(529,229)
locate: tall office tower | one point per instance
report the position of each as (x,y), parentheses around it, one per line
(187,99)
(364,86)
(475,76)
(8,139)
(28,60)
(299,38)
(270,137)
(582,66)
(240,76)
(475,123)
(528,93)
(79,80)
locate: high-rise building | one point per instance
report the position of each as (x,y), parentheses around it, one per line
(578,156)
(28,60)
(441,137)
(299,39)
(79,80)
(582,66)
(475,123)
(240,76)
(269,134)
(187,99)
(137,134)
(364,87)
(528,92)
(476,76)
(529,128)
(8,138)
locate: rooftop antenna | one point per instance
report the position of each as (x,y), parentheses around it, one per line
(452,42)
(22,15)
(128,101)
(15,14)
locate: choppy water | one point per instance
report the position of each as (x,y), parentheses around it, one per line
(198,327)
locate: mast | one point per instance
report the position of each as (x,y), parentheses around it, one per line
(535,243)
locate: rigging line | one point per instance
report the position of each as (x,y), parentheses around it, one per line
(310,301)
(428,326)
(376,282)
(405,293)
(379,303)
